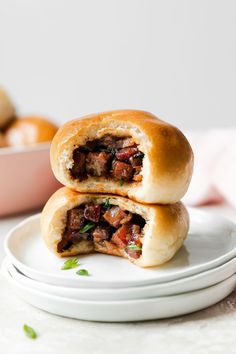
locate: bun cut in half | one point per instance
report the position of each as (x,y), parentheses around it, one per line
(148,235)
(129,153)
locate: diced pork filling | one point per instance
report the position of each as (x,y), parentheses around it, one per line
(99,223)
(109,157)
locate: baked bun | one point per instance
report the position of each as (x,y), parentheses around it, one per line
(2,140)
(30,130)
(148,235)
(7,109)
(129,153)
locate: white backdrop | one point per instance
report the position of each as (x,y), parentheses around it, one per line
(65,58)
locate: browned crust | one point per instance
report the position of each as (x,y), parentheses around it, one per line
(168,172)
(30,130)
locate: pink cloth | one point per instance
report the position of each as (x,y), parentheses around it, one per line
(214,177)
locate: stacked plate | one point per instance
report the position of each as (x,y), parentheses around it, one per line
(201,274)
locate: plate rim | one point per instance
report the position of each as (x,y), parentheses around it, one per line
(65,290)
(119,302)
(197,269)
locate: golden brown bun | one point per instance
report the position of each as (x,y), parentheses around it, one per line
(2,140)
(165,230)
(167,165)
(7,109)
(30,130)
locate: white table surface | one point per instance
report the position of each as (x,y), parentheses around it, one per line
(209,331)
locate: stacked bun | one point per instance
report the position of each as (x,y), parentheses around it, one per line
(125,173)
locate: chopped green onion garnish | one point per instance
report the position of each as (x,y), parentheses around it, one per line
(87,227)
(107,204)
(82,272)
(29,331)
(133,247)
(122,182)
(70,263)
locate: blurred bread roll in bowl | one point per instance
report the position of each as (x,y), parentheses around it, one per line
(22,158)
(2,140)
(30,130)
(7,109)
(24,155)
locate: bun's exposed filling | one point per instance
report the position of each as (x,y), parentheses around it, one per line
(104,225)
(109,157)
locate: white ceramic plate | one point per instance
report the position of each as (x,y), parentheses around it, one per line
(129,310)
(194,282)
(210,243)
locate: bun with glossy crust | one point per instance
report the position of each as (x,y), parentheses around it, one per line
(30,130)
(163,234)
(7,109)
(167,163)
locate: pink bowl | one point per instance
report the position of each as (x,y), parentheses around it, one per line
(26,178)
